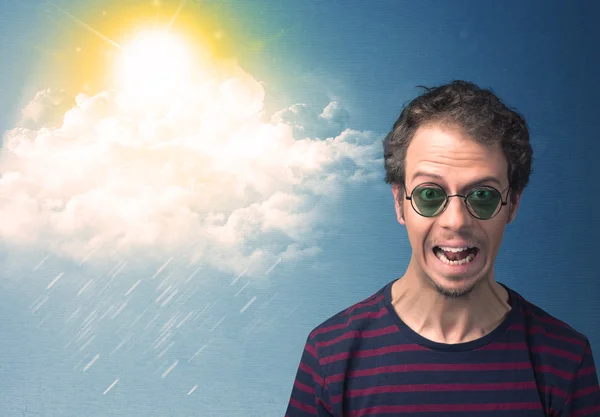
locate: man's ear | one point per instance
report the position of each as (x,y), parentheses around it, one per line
(513,205)
(398,193)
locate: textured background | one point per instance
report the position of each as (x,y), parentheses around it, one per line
(150,332)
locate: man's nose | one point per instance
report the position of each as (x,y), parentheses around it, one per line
(455,216)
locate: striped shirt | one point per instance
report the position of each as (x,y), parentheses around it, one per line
(365,361)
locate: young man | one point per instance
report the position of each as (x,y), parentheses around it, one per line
(446,339)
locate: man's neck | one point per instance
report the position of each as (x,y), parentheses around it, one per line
(445,320)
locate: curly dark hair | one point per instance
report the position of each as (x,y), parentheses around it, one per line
(477,112)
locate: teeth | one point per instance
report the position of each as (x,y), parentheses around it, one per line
(445,260)
(453,249)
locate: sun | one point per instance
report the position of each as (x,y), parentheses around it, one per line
(155,64)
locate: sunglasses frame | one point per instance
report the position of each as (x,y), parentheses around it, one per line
(463,197)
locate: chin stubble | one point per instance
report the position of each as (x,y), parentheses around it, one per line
(454,294)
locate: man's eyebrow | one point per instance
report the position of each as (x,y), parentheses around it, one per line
(479,181)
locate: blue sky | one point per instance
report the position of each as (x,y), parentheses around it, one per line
(194,321)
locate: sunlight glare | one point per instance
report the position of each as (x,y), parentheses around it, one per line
(155,65)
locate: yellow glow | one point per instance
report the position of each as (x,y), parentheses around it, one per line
(155,64)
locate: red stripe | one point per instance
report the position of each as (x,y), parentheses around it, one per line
(442,387)
(549,389)
(324,404)
(367,315)
(303,407)
(372,352)
(553,370)
(536,349)
(586,411)
(426,367)
(551,320)
(304,387)
(585,371)
(545,319)
(424,408)
(366,303)
(305,368)
(556,352)
(336,399)
(538,329)
(437,387)
(310,349)
(360,335)
(505,346)
(585,391)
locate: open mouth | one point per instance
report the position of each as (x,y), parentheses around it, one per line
(455,256)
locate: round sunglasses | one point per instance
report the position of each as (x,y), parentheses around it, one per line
(430,199)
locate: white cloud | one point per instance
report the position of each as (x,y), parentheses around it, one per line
(308,122)
(200,174)
(46,109)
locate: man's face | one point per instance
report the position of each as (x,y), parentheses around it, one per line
(457,163)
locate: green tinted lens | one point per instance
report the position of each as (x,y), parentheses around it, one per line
(428,199)
(484,202)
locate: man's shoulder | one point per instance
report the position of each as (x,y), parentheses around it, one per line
(548,333)
(359,316)
(540,319)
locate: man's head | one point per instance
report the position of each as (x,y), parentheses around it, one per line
(461,138)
